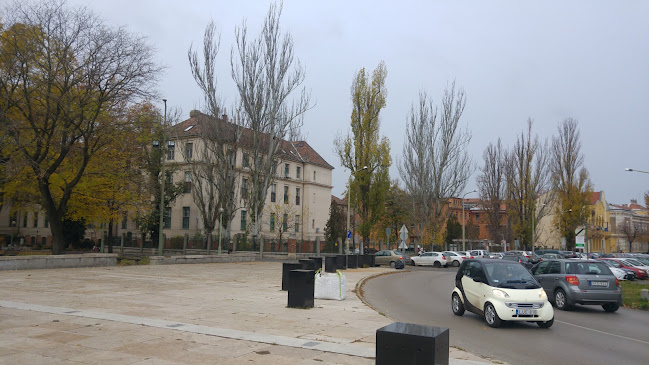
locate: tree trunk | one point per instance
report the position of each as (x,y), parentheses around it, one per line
(109,237)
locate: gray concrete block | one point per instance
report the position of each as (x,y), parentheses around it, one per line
(644,294)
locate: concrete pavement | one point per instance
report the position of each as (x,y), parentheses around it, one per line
(225,313)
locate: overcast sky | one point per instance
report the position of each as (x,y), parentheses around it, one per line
(516,60)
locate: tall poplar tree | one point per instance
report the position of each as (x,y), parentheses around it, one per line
(364,152)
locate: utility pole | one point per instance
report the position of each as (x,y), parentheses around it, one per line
(162,183)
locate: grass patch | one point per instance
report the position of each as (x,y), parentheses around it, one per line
(631,295)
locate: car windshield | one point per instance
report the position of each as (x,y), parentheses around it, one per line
(587,268)
(644,261)
(612,263)
(635,262)
(510,275)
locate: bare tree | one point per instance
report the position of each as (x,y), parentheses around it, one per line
(569,179)
(64,71)
(266,73)
(526,173)
(631,231)
(491,187)
(437,166)
(215,175)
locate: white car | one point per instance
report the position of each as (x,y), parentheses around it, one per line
(619,273)
(500,290)
(455,258)
(635,263)
(436,259)
(480,254)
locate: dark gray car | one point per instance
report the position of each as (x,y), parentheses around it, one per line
(587,282)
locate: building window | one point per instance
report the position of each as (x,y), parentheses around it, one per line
(243,220)
(272,222)
(298,172)
(477,216)
(13,220)
(47,221)
(171,148)
(25,221)
(313,175)
(125,221)
(287,174)
(297,223)
(285,194)
(275,167)
(245,161)
(314,197)
(167,218)
(188,182)
(185,217)
(273,192)
(189,147)
(313,223)
(297,196)
(285,222)
(231,157)
(35,219)
(170,177)
(244,188)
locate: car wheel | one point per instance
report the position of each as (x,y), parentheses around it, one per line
(437,264)
(456,305)
(491,317)
(611,307)
(392,264)
(560,300)
(456,263)
(412,262)
(546,324)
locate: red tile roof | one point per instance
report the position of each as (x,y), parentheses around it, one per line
(594,197)
(299,151)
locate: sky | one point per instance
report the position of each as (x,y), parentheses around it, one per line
(545,60)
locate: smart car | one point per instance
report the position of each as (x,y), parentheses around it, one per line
(500,290)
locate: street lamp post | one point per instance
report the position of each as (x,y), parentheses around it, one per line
(634,170)
(533,228)
(163,182)
(463,219)
(220,225)
(349,189)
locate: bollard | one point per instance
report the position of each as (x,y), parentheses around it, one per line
(407,343)
(331,264)
(352,261)
(318,262)
(308,264)
(301,288)
(341,262)
(286,267)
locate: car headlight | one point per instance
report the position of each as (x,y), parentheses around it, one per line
(542,294)
(500,293)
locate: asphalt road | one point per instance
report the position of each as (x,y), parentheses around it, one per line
(585,335)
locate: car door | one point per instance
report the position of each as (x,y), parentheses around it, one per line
(472,289)
(540,273)
(380,258)
(427,258)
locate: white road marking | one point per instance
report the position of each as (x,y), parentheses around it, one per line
(603,332)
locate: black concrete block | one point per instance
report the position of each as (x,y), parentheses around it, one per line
(407,343)
(301,288)
(286,267)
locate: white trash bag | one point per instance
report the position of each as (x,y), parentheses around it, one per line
(330,285)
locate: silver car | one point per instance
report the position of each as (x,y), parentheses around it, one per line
(586,282)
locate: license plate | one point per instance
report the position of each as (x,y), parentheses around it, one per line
(599,283)
(526,312)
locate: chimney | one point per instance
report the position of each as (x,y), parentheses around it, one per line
(224,117)
(634,201)
(194,113)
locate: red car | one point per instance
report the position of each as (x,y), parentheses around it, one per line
(641,274)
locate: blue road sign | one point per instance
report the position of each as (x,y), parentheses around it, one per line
(349,234)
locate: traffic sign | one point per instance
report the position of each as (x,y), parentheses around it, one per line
(388,231)
(404,232)
(349,234)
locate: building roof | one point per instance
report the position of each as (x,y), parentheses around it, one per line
(198,123)
(594,197)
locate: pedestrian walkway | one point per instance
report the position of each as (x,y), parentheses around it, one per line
(181,314)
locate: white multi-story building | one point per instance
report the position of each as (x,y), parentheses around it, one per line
(303,181)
